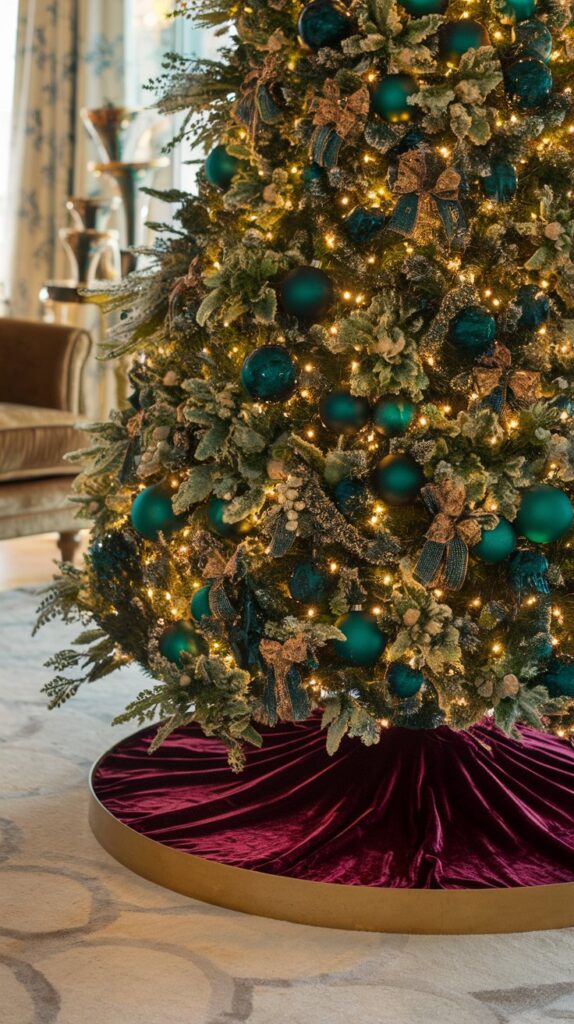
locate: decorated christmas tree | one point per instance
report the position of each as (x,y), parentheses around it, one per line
(344,478)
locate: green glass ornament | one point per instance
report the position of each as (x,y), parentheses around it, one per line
(472,330)
(398,479)
(528,82)
(497,544)
(533,40)
(501,184)
(221,167)
(324,23)
(389,99)
(307,293)
(558,678)
(534,305)
(456,37)
(404,681)
(269,374)
(350,496)
(517,10)
(545,514)
(418,8)
(364,642)
(362,225)
(308,584)
(152,512)
(199,605)
(181,638)
(344,413)
(393,415)
(215,511)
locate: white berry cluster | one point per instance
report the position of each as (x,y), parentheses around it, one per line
(289,497)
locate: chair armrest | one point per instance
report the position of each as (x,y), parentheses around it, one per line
(42,364)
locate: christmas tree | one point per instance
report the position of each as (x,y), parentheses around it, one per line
(344,477)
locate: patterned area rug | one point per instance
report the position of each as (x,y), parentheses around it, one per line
(82,939)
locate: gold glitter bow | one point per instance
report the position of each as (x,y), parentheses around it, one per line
(451,533)
(426,191)
(282,657)
(336,118)
(497,383)
(257,102)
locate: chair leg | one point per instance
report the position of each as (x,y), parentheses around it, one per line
(68,543)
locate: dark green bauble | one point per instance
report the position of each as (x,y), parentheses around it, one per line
(535,307)
(215,510)
(418,8)
(324,23)
(528,82)
(501,184)
(472,330)
(398,479)
(558,678)
(497,544)
(404,681)
(181,638)
(389,99)
(545,514)
(534,40)
(362,225)
(307,293)
(393,415)
(221,167)
(456,37)
(344,413)
(350,496)
(517,10)
(116,564)
(269,374)
(364,641)
(152,512)
(199,605)
(312,173)
(308,584)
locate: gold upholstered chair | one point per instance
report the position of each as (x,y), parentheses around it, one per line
(41,367)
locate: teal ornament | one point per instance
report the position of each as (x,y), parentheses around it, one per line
(527,571)
(558,678)
(534,40)
(199,605)
(152,512)
(307,293)
(545,514)
(418,8)
(534,305)
(362,225)
(269,374)
(308,584)
(393,415)
(404,681)
(472,330)
(344,413)
(312,174)
(350,496)
(364,642)
(566,405)
(221,168)
(456,37)
(324,23)
(501,184)
(497,544)
(181,638)
(215,511)
(389,99)
(528,82)
(517,10)
(398,479)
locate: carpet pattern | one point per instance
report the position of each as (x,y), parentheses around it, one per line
(83,940)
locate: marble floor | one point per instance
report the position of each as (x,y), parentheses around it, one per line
(84,941)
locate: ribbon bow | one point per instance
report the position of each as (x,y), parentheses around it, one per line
(497,384)
(424,191)
(282,658)
(445,553)
(336,119)
(257,102)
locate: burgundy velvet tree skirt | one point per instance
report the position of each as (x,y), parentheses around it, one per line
(474,827)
